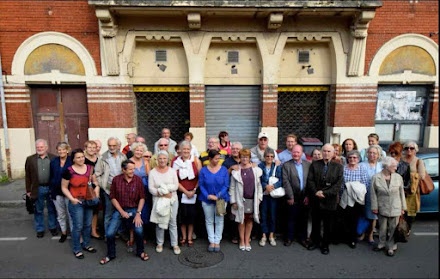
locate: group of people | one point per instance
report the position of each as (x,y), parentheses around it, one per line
(335,186)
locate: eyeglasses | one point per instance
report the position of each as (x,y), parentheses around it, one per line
(410,148)
(163,144)
(394,153)
(147,156)
(352,157)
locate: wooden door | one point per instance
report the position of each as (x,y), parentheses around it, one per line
(60,114)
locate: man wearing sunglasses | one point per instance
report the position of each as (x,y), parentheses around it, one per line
(166,134)
(163,144)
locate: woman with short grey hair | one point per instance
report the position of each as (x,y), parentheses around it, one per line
(388,202)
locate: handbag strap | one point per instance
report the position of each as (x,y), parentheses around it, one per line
(274,170)
(91,173)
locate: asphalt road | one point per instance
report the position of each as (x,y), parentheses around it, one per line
(25,256)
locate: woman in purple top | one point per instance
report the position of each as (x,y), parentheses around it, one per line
(246,194)
(214,184)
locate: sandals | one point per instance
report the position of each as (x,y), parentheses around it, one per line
(144,256)
(182,242)
(89,249)
(79,255)
(190,243)
(105,260)
(390,252)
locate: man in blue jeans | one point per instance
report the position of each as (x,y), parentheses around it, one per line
(37,170)
(128,197)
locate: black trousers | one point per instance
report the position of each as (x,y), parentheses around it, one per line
(351,217)
(327,217)
(297,222)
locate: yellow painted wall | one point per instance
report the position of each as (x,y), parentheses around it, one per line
(412,58)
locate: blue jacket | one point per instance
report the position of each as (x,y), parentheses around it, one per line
(213,184)
(55,176)
(265,177)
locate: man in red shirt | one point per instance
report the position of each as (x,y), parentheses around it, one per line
(128,197)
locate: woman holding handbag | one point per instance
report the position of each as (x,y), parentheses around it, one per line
(270,180)
(417,172)
(246,194)
(75,186)
(214,184)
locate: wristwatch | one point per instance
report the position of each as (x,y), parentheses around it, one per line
(140,212)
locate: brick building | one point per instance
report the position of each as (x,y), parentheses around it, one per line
(74,70)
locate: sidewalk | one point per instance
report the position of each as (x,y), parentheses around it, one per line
(11,193)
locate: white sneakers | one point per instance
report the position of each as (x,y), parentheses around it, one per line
(272,241)
(176,250)
(263,241)
(159,248)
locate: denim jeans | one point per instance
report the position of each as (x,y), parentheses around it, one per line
(82,225)
(108,212)
(268,214)
(113,228)
(214,232)
(44,197)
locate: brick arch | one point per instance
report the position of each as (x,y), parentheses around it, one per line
(43,38)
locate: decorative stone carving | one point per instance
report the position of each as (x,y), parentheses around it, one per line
(194,20)
(108,30)
(275,20)
(359,31)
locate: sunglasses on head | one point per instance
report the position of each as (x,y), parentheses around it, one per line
(410,148)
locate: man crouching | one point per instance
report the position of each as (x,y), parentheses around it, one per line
(128,197)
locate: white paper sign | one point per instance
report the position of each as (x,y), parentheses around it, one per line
(186,200)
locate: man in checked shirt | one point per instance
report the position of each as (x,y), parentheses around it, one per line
(128,197)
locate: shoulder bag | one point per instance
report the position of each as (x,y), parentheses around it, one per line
(91,199)
(220,207)
(426,184)
(278,192)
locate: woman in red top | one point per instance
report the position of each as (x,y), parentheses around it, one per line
(224,143)
(188,168)
(74,187)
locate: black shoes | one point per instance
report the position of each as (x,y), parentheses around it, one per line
(63,238)
(352,245)
(288,242)
(312,246)
(325,250)
(40,234)
(54,232)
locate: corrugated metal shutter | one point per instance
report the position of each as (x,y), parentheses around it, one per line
(234,109)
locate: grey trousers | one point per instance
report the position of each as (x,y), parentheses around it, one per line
(387,226)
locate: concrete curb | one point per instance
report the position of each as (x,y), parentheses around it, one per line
(16,203)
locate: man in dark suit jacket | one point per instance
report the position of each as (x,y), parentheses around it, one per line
(295,174)
(323,184)
(37,170)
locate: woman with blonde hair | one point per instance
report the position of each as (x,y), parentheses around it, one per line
(246,194)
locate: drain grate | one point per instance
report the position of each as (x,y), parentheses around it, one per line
(197,258)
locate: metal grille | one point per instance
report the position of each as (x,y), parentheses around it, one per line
(301,112)
(303,56)
(161,56)
(233,56)
(157,110)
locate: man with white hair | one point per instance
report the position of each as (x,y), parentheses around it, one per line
(166,134)
(163,144)
(257,152)
(213,145)
(234,160)
(107,167)
(323,185)
(37,170)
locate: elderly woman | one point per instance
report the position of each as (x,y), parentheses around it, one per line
(224,143)
(417,172)
(373,166)
(347,146)
(269,204)
(388,202)
(188,168)
(188,136)
(353,195)
(74,186)
(163,184)
(214,185)
(246,194)
(316,154)
(57,166)
(373,139)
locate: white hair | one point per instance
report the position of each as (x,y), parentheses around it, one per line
(135,145)
(185,143)
(237,143)
(114,138)
(328,145)
(388,161)
(41,140)
(163,152)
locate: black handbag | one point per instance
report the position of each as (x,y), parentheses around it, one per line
(30,203)
(401,232)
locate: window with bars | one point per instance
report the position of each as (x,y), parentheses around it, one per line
(157,110)
(301,112)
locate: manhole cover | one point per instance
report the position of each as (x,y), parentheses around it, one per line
(198,258)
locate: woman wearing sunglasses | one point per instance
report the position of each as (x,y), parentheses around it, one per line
(417,172)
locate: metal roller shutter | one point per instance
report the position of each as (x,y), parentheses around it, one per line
(235,109)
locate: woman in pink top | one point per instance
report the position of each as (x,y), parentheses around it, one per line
(224,143)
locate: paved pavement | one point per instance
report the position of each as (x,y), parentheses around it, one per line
(11,193)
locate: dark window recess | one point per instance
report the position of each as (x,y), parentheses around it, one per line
(233,56)
(161,56)
(157,110)
(303,56)
(302,114)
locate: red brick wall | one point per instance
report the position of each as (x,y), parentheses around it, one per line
(20,20)
(197,105)
(269,105)
(433,108)
(352,106)
(18,107)
(395,18)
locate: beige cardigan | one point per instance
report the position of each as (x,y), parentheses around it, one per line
(413,200)
(389,201)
